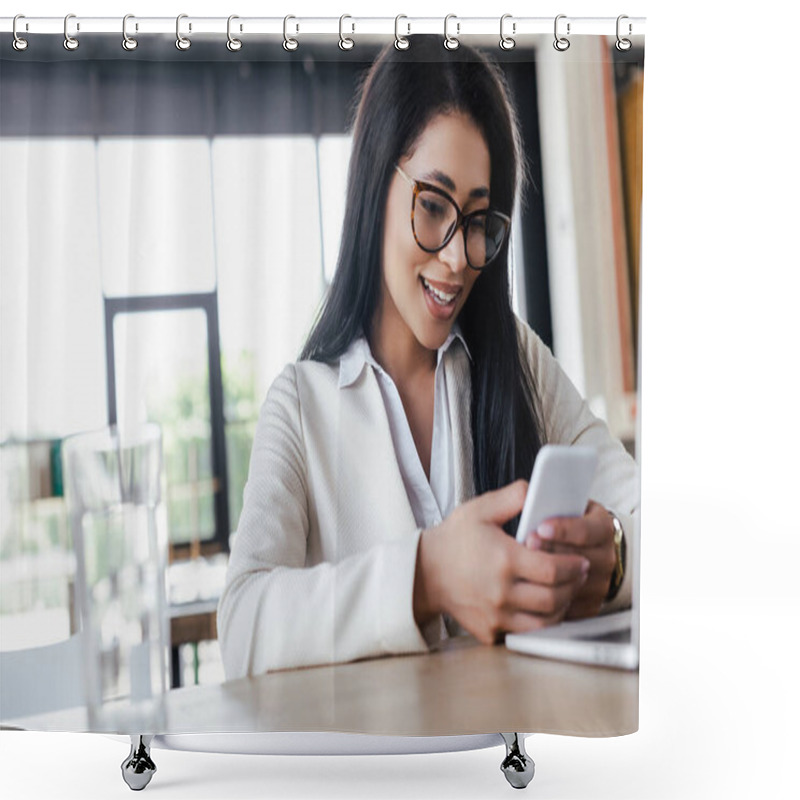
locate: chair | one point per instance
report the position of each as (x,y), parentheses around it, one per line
(42,679)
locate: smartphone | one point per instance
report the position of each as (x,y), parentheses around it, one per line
(559,486)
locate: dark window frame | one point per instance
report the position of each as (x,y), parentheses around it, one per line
(207,302)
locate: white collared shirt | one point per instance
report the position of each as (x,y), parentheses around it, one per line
(430,501)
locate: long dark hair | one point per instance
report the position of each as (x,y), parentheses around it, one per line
(400,95)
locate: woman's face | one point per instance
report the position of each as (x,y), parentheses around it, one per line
(452,155)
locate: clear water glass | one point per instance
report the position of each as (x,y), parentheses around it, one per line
(113,484)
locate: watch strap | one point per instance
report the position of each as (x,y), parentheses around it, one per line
(618,573)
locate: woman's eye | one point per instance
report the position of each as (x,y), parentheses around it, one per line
(478,224)
(432,207)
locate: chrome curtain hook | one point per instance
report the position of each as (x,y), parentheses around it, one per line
(451,42)
(400,42)
(623,44)
(127,42)
(70,43)
(233,44)
(289,43)
(181,42)
(561,43)
(506,42)
(345,43)
(19,43)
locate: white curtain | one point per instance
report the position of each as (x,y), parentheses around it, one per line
(121,216)
(256,219)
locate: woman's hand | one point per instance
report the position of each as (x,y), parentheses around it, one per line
(591,536)
(468,567)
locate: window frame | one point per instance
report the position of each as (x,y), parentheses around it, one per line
(207,302)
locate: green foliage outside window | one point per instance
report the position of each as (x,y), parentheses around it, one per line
(184,414)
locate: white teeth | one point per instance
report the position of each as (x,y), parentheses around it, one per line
(440,296)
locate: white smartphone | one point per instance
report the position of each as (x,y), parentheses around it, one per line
(559,486)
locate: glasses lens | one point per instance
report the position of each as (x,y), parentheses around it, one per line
(434,218)
(485,236)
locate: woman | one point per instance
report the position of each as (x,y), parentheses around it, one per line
(390,462)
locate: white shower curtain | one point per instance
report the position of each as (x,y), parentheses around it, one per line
(171,226)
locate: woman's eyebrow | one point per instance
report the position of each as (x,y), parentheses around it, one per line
(449,183)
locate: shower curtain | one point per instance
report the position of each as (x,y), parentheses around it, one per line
(173,220)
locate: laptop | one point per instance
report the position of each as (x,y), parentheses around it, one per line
(610,640)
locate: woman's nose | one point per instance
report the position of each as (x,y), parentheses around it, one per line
(453,254)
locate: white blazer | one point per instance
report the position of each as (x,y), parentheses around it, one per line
(322,566)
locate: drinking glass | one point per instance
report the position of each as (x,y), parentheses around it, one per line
(113,483)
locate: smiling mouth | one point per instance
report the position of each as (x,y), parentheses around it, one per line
(439,297)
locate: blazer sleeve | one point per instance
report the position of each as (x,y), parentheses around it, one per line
(568,420)
(275,612)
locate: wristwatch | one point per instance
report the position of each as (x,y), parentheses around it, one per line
(619,567)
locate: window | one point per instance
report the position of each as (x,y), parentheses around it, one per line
(173,389)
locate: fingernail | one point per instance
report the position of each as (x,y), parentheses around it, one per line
(546,530)
(585,565)
(533,543)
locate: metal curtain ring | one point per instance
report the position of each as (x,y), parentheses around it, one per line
(506,42)
(232,44)
(70,43)
(561,43)
(181,42)
(289,43)
(451,42)
(127,42)
(400,42)
(623,44)
(19,43)
(344,42)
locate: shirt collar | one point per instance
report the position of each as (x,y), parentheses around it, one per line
(358,354)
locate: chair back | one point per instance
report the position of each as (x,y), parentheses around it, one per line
(42,679)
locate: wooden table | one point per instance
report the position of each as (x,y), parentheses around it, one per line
(461,688)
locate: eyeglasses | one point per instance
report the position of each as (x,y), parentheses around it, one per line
(435,218)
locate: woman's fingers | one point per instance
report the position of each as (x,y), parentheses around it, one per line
(590,536)
(545,601)
(501,505)
(522,622)
(549,569)
(581,609)
(593,529)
